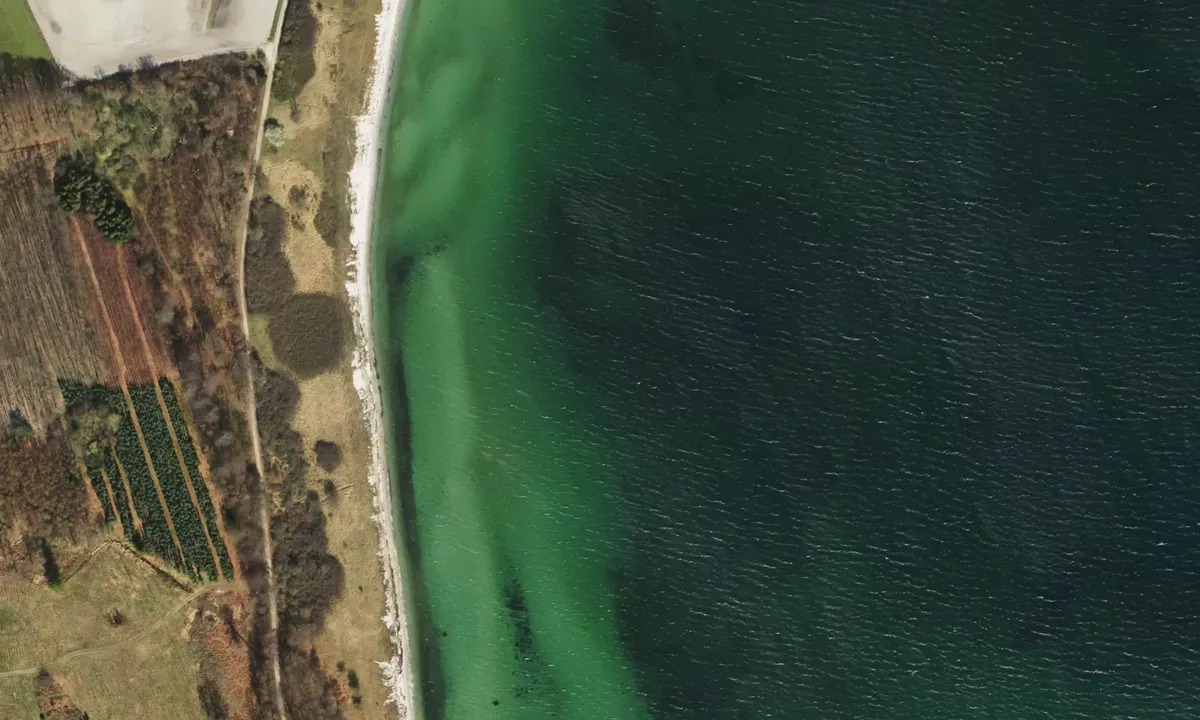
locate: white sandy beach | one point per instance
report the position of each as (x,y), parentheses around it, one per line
(363,178)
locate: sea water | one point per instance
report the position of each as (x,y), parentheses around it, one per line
(779,359)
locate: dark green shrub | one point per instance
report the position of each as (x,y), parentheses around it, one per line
(81,191)
(308,333)
(296,64)
(329,455)
(269,280)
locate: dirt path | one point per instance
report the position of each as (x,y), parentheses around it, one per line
(121,372)
(271,51)
(93,497)
(112,501)
(162,406)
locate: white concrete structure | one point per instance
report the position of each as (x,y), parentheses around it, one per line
(98,37)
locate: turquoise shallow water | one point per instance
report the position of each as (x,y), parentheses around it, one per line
(797,360)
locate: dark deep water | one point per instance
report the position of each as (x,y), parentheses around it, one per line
(889,309)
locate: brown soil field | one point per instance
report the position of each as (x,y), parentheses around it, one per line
(47,324)
(110,301)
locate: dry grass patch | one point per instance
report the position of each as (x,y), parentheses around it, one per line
(329,410)
(151,678)
(261,341)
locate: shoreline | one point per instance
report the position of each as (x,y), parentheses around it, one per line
(363,190)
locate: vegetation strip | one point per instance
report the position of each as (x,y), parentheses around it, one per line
(129,517)
(213,570)
(177,552)
(185,516)
(99,487)
(112,502)
(192,463)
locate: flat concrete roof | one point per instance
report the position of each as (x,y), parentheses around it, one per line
(98,37)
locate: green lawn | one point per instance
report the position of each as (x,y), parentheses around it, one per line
(19,34)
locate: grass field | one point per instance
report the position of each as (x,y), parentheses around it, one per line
(19,34)
(18,698)
(39,625)
(69,631)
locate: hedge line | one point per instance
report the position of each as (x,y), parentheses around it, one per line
(114,477)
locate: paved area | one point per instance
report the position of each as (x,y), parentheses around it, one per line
(96,37)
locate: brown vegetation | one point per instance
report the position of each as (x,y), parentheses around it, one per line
(308,333)
(176,142)
(310,691)
(329,455)
(269,280)
(40,495)
(309,578)
(219,632)
(53,702)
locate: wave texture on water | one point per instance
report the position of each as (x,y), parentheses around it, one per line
(788,360)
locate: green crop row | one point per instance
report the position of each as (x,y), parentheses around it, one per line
(172,481)
(192,461)
(156,535)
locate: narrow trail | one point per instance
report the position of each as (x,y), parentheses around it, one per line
(88,487)
(162,406)
(112,501)
(121,375)
(271,51)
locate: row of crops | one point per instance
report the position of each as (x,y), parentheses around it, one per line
(188,527)
(193,467)
(125,463)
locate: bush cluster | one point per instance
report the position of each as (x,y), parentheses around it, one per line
(308,333)
(296,64)
(329,455)
(81,191)
(269,279)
